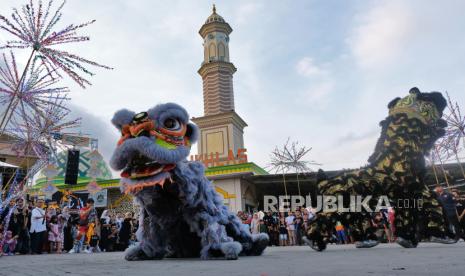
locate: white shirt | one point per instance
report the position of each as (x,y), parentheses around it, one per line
(289,222)
(37,224)
(254,225)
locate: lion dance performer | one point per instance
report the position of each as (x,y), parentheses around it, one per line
(181,214)
(396,170)
(87,218)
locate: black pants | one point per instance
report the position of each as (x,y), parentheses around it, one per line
(104,237)
(23,241)
(298,236)
(453,221)
(462,227)
(37,241)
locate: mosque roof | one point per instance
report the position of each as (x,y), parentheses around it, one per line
(214,17)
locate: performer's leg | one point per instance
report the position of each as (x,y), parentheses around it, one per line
(433,221)
(82,230)
(345,186)
(316,236)
(152,240)
(214,240)
(406,222)
(87,238)
(360,224)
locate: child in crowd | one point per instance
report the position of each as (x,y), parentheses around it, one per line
(112,240)
(54,235)
(133,240)
(61,236)
(9,244)
(341,235)
(282,232)
(94,244)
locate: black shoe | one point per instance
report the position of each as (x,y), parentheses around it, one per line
(445,240)
(405,243)
(317,246)
(366,244)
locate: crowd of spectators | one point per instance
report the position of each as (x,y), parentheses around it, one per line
(38,227)
(288,228)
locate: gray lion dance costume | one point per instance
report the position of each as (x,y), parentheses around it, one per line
(396,169)
(181,215)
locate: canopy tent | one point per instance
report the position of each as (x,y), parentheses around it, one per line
(6,165)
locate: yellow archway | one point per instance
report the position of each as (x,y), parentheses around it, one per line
(224,193)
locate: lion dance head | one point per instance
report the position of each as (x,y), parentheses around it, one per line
(151,144)
(412,127)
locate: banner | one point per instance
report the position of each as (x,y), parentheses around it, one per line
(100,198)
(74,140)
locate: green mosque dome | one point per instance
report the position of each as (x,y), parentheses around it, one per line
(84,169)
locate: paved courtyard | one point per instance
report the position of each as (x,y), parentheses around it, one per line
(386,259)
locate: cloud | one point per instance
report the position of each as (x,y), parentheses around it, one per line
(247,11)
(319,93)
(356,137)
(97,128)
(318,81)
(349,155)
(306,67)
(381,33)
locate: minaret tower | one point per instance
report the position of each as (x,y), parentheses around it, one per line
(221,128)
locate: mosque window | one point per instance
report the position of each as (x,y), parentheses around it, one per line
(212,50)
(221,50)
(205,54)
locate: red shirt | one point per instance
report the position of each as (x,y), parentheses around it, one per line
(84,216)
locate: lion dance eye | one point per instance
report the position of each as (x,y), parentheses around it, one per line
(171,124)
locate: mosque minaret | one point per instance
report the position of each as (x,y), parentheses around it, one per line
(221,127)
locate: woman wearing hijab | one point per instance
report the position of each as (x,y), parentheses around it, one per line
(105,222)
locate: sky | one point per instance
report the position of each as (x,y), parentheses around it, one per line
(317,72)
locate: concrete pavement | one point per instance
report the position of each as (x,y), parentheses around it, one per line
(385,259)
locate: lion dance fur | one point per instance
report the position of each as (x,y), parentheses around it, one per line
(396,169)
(181,215)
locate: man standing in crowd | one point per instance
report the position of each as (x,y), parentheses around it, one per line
(290,222)
(271,223)
(38,229)
(448,205)
(460,206)
(298,227)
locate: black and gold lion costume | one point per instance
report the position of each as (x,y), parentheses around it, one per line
(396,169)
